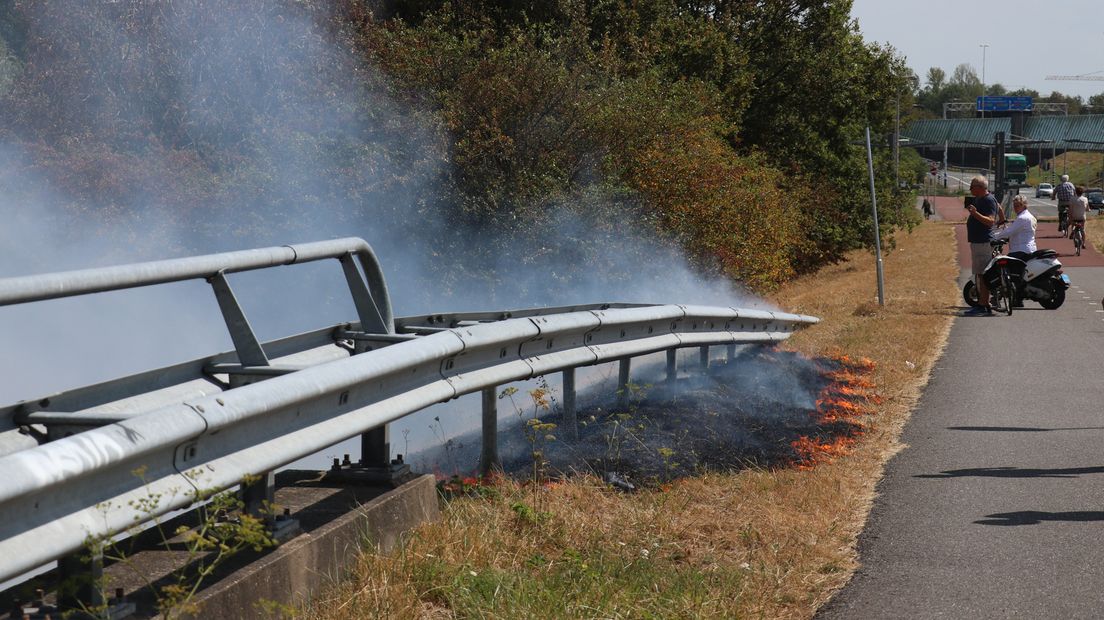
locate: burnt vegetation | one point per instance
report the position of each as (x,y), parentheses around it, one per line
(722,131)
(765,409)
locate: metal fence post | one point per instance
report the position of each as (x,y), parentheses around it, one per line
(672,365)
(570,422)
(731,353)
(703,358)
(488,457)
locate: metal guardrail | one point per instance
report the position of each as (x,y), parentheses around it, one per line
(55,496)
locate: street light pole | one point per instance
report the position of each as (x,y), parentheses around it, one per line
(984,47)
(874,212)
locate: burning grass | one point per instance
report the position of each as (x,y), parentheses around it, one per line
(766,408)
(772,536)
(842,407)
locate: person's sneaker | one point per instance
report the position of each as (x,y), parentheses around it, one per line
(979,311)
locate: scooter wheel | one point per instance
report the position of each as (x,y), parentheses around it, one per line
(1057,299)
(970,295)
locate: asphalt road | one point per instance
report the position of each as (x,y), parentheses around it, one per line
(1041,207)
(995,509)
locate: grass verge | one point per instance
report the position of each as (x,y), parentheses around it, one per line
(1094,230)
(753,543)
(1083,168)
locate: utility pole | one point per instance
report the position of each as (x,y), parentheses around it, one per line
(945,143)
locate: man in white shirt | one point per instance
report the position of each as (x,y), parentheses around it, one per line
(1021,232)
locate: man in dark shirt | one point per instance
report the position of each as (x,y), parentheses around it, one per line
(984,214)
(1065,194)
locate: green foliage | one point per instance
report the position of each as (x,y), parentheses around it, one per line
(733,125)
(725,129)
(221,530)
(570,583)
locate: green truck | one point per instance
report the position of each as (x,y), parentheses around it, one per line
(1015,168)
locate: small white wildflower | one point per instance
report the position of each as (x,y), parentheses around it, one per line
(910,365)
(644,553)
(473,573)
(745,566)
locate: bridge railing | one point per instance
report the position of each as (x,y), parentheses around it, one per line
(136,467)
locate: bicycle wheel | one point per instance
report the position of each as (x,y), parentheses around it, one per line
(1006,291)
(1077,241)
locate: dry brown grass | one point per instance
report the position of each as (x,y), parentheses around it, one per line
(755,543)
(1094,230)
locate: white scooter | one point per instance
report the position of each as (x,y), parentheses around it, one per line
(1012,280)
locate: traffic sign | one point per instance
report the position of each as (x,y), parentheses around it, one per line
(1004,104)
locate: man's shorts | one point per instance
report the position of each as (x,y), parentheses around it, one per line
(980,253)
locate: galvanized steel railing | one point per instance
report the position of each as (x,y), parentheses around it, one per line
(54,496)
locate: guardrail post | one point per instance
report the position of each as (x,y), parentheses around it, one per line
(571,424)
(672,365)
(623,367)
(259,496)
(731,353)
(703,359)
(80,580)
(488,458)
(375,447)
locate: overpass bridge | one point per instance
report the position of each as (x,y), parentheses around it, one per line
(968,142)
(95,463)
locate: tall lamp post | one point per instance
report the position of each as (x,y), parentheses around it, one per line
(984,47)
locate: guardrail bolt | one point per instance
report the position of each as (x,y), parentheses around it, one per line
(346,460)
(336,465)
(397,460)
(119,598)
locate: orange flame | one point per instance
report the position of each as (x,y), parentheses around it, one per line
(811,452)
(862,363)
(849,397)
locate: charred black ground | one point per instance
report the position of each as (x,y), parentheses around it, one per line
(745,413)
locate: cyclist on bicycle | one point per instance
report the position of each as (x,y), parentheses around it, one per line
(1077,210)
(1064,194)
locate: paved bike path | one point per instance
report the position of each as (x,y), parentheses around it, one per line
(995,509)
(1046,236)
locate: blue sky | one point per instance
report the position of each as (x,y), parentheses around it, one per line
(1022,37)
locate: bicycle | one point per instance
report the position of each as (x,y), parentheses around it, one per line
(1063,219)
(1077,233)
(1002,290)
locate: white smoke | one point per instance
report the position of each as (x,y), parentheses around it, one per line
(233,66)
